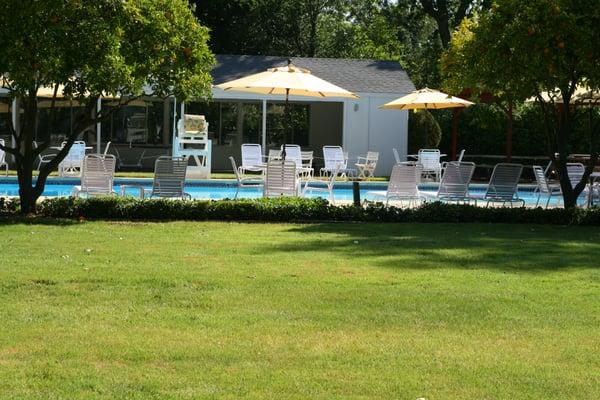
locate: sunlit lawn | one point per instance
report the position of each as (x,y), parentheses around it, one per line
(223,310)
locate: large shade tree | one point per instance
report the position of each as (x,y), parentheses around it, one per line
(83,50)
(543,49)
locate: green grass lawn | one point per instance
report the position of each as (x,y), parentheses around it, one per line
(325,311)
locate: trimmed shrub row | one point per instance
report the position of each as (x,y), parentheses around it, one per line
(294,209)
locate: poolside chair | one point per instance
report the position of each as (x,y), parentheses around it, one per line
(366,165)
(307,162)
(335,159)
(73,161)
(503,186)
(3,162)
(461,154)
(544,187)
(396,155)
(252,158)
(317,186)
(169,178)
(243,182)
(404,184)
(454,185)
(294,153)
(429,160)
(97,174)
(281,179)
(43,158)
(274,154)
(575,172)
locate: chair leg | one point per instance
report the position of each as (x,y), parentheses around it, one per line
(237,191)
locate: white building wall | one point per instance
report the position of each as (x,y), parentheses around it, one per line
(368,128)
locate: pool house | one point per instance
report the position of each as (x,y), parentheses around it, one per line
(144,130)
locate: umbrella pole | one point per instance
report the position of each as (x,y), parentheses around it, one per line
(288,124)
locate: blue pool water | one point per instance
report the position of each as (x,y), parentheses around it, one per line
(223,189)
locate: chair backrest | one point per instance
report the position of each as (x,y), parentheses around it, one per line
(97,173)
(251,155)
(235,169)
(404,180)
(274,154)
(461,155)
(396,155)
(371,159)
(76,152)
(429,159)
(169,176)
(334,156)
(281,179)
(307,158)
(504,182)
(575,172)
(456,179)
(293,152)
(540,179)
(107,148)
(2,153)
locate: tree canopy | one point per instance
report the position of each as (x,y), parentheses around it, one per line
(543,49)
(83,50)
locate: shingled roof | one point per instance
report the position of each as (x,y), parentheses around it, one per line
(359,76)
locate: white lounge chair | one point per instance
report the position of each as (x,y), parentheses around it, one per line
(334,158)
(274,154)
(396,155)
(73,161)
(317,186)
(366,165)
(307,162)
(169,178)
(403,186)
(429,160)
(3,162)
(252,158)
(503,186)
(97,175)
(575,172)
(454,185)
(244,182)
(543,186)
(281,179)
(43,158)
(294,153)
(461,154)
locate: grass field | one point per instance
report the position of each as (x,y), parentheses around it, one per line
(325,311)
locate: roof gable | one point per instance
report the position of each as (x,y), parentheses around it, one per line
(359,76)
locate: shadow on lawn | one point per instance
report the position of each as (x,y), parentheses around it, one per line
(36,221)
(511,248)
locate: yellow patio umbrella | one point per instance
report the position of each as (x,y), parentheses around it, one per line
(427,99)
(430,99)
(287,80)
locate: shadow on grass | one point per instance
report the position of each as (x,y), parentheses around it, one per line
(510,248)
(15,220)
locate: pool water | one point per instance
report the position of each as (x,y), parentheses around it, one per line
(224,189)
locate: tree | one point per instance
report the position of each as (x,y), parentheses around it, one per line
(539,48)
(84,50)
(448,14)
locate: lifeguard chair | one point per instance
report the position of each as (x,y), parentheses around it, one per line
(192,142)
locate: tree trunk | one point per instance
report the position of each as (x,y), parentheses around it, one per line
(509,132)
(28,195)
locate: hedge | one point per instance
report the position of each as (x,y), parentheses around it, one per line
(293,209)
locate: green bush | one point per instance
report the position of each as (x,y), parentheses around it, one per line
(423,131)
(295,210)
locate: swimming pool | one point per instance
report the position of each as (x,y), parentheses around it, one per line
(216,189)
